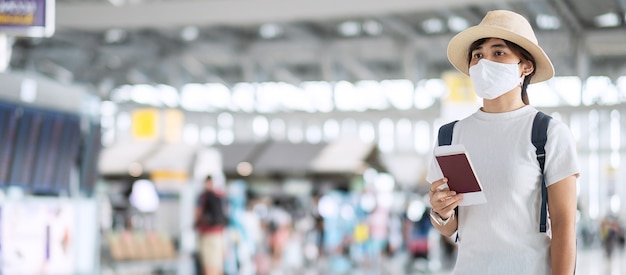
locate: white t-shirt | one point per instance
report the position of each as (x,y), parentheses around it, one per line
(502,236)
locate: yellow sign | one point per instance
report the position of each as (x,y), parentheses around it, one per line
(460,86)
(145,124)
(173,125)
(169,175)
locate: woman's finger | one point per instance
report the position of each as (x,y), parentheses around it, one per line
(437,184)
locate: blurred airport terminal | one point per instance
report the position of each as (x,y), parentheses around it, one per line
(315,119)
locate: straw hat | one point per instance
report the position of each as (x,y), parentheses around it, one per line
(505,25)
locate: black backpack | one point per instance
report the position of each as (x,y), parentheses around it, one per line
(212,210)
(539,136)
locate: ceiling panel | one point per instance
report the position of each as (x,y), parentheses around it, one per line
(103,46)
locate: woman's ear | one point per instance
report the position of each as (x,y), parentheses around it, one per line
(527,67)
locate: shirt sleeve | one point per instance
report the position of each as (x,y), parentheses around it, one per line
(561,155)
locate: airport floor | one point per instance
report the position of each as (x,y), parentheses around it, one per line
(591,261)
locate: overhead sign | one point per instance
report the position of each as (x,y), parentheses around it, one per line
(145,124)
(30,18)
(460,86)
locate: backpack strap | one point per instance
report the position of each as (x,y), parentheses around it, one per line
(539,136)
(444,138)
(445,133)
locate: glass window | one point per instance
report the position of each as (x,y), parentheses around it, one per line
(193,97)
(349,128)
(386,135)
(331,130)
(347,98)
(218,96)
(267,100)
(277,129)
(313,134)
(243,97)
(225,136)
(400,93)
(208,135)
(422,137)
(145,94)
(600,89)
(260,126)
(404,131)
(320,94)
(367,132)
(191,134)
(293,98)
(373,94)
(295,133)
(168,95)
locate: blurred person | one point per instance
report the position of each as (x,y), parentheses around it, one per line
(378,222)
(501,55)
(210,220)
(358,244)
(609,234)
(252,236)
(416,235)
(280,223)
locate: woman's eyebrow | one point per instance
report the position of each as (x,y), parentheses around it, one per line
(480,47)
(499,46)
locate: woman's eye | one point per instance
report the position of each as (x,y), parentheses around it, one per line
(477,56)
(499,53)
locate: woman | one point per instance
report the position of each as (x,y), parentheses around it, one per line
(501,55)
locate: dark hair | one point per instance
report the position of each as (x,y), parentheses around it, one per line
(208,178)
(521,52)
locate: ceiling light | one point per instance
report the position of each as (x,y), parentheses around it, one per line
(433,25)
(114,35)
(457,24)
(108,108)
(244,168)
(269,31)
(28,90)
(117,3)
(135,169)
(607,20)
(349,28)
(372,27)
(189,33)
(548,22)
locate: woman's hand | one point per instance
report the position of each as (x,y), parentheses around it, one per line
(442,199)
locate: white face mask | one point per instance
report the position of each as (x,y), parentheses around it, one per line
(492,79)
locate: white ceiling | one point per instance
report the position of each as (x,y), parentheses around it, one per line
(102,15)
(229,49)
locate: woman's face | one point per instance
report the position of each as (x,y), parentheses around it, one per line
(494,49)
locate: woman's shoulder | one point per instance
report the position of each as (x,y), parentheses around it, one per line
(559,133)
(557,126)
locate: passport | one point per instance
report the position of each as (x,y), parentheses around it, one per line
(455,164)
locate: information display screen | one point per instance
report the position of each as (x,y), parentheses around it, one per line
(29,18)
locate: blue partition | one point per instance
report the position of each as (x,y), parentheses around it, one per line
(8,126)
(47,154)
(92,145)
(24,155)
(68,157)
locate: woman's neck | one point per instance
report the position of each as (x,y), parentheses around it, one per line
(510,101)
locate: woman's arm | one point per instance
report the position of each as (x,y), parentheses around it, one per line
(562,209)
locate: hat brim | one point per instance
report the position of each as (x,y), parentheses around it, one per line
(458,49)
